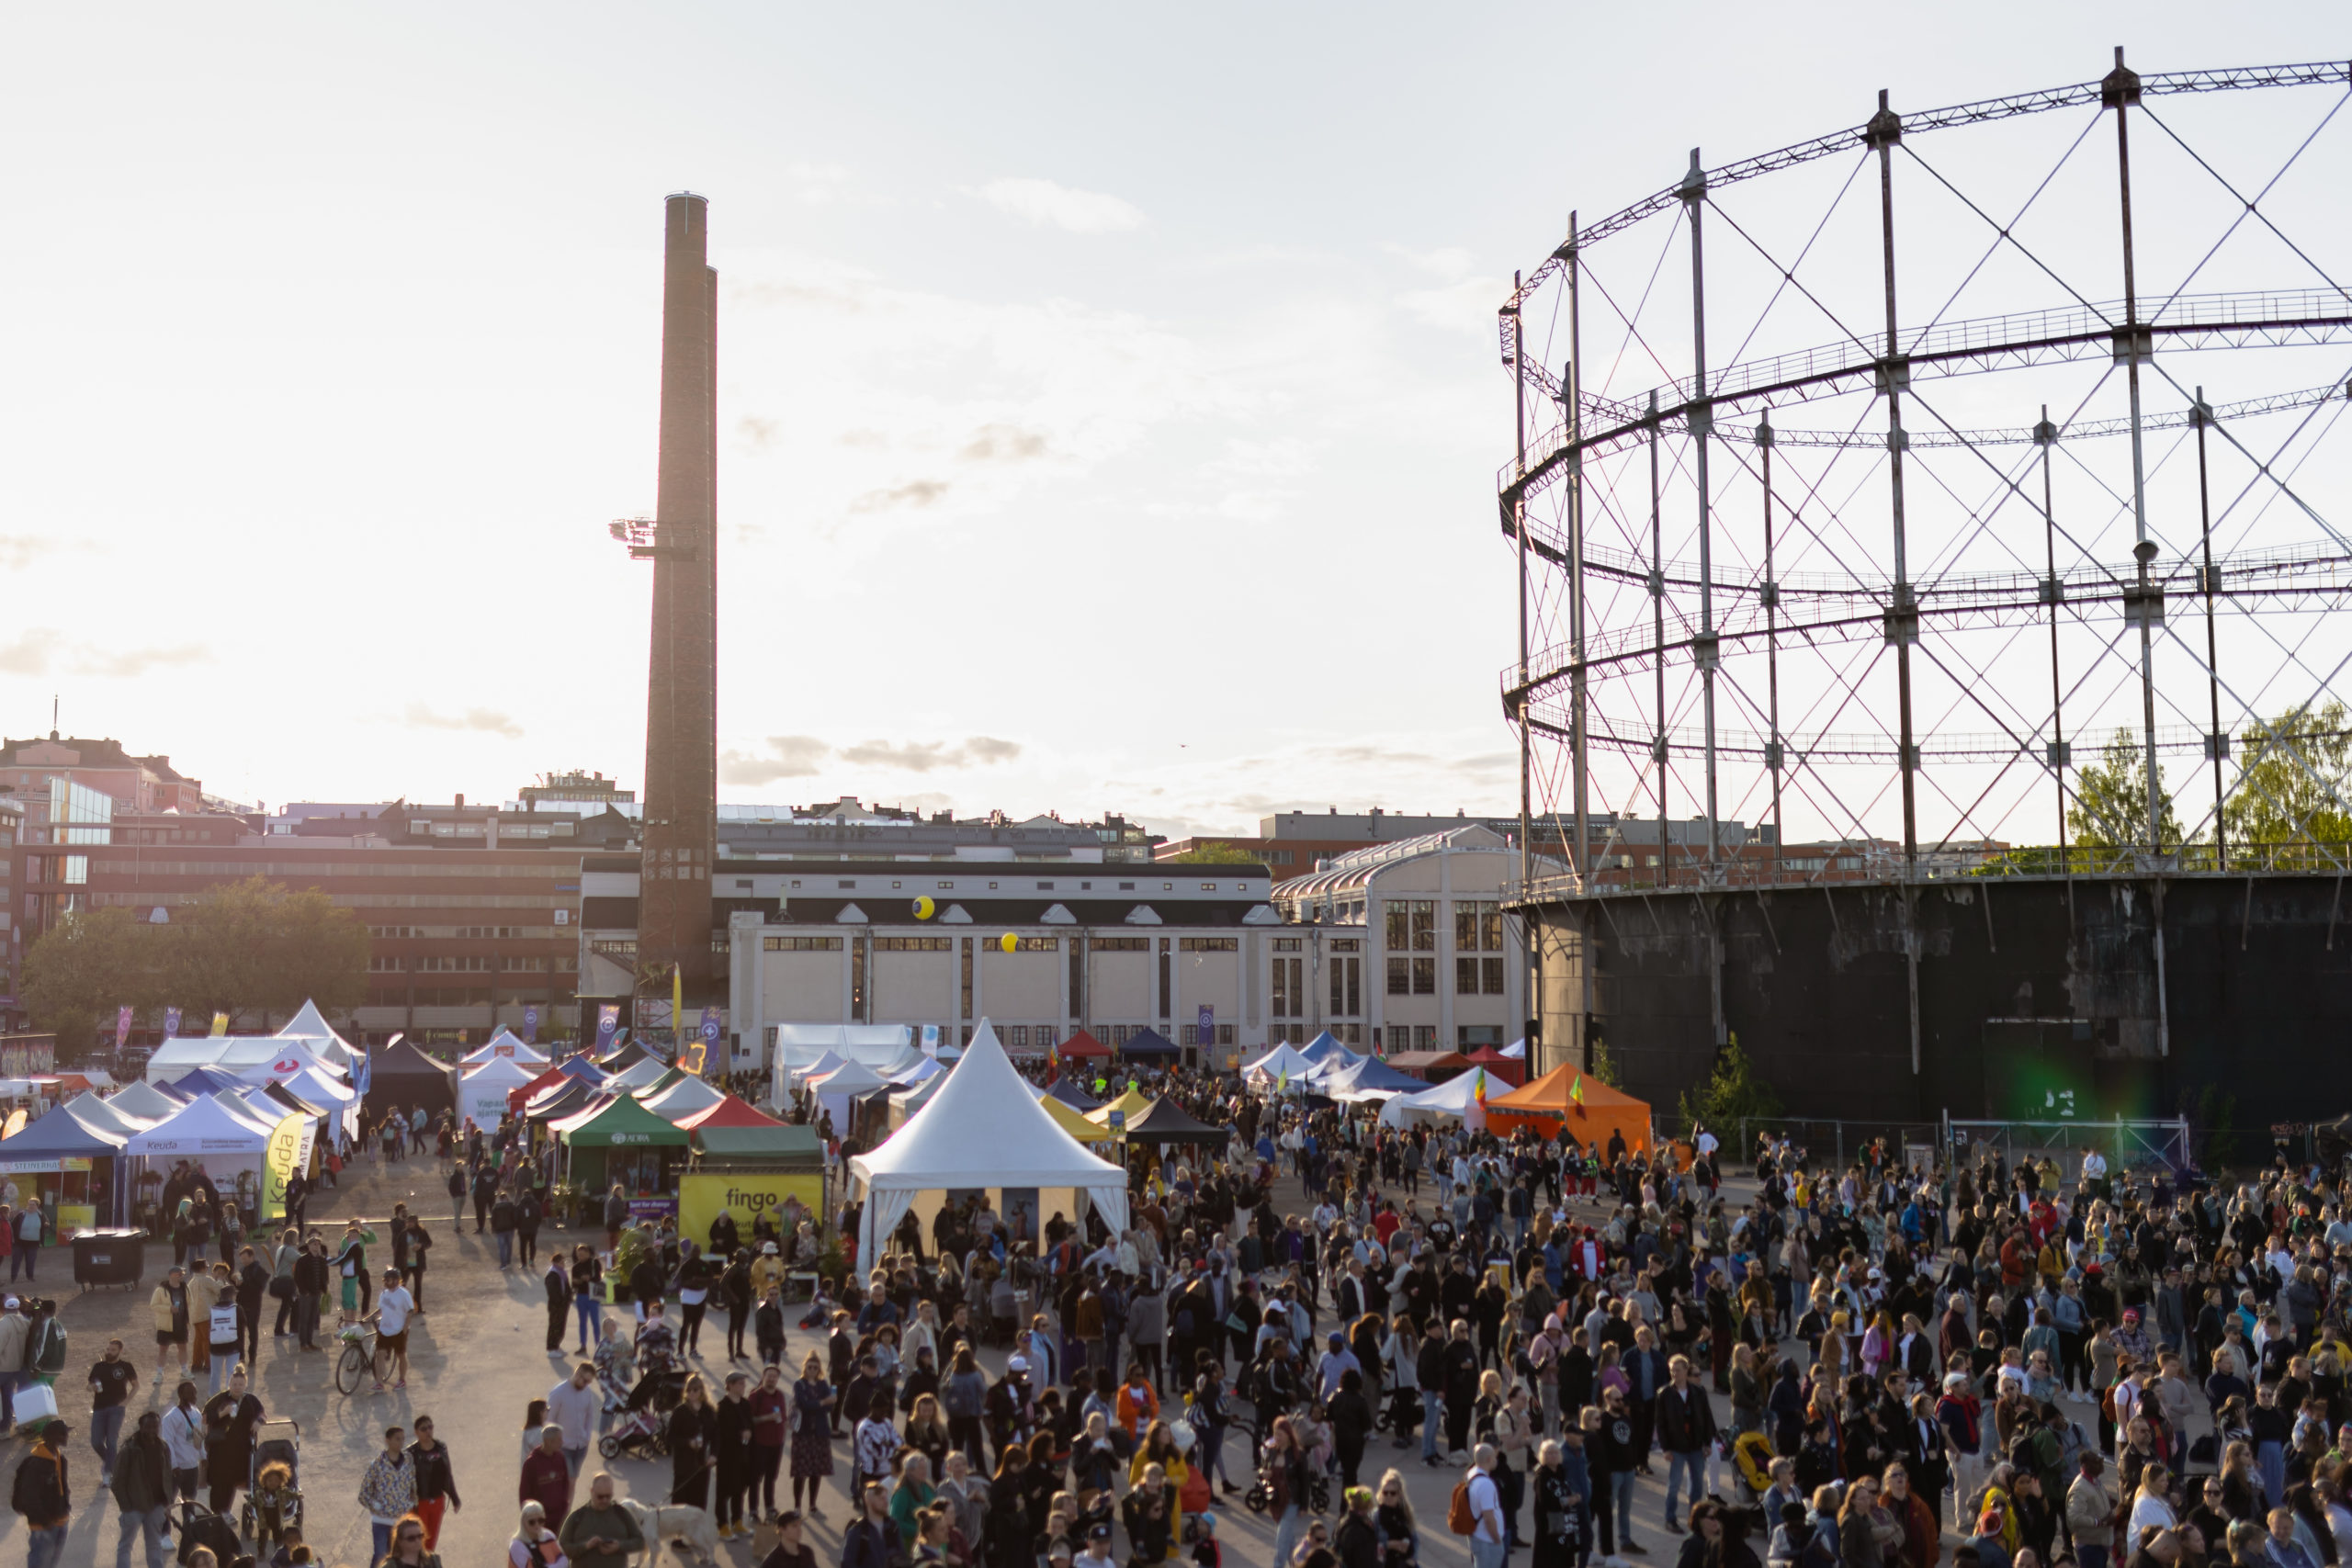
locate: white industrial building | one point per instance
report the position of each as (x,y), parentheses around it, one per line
(1407,946)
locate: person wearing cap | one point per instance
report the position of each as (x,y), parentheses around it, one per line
(15,1332)
(44,1496)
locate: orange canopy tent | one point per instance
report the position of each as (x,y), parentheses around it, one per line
(1569,1102)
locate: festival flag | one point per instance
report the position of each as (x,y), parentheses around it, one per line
(1283,1081)
(1478,1089)
(219,1024)
(1576,1092)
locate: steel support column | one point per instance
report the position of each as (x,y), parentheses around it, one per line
(1694,200)
(1518,533)
(1884,130)
(1577,759)
(1658,610)
(2216,742)
(2053,593)
(1773,758)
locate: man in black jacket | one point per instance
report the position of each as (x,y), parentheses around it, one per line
(252,1286)
(142,1489)
(559,1283)
(436,1480)
(1686,1426)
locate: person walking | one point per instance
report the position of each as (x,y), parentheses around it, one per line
(1488,1546)
(600,1533)
(112,1381)
(547,1476)
(183,1433)
(230,1417)
(143,1492)
(575,1405)
(1686,1430)
(558,1281)
(388,1491)
(29,1225)
(436,1480)
(42,1493)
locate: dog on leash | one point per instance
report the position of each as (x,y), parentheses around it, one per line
(669,1523)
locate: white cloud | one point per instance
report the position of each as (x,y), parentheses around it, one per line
(1059,207)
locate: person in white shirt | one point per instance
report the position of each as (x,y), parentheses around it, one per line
(1486,1547)
(184,1440)
(2094,1170)
(394,1307)
(575,1405)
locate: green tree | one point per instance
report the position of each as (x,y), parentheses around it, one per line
(90,963)
(1732,1091)
(2109,810)
(1604,1066)
(251,948)
(2298,776)
(1217,852)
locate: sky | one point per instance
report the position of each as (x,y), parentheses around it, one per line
(1109,395)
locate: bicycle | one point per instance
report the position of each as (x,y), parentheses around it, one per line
(363,1356)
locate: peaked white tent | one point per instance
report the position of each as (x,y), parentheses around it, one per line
(311,1025)
(105,1115)
(144,1102)
(906,1061)
(508,1045)
(206,1125)
(817,1067)
(683,1099)
(844,1084)
(978,1129)
(645,1074)
(481,1094)
(1457,1097)
(1515,1050)
(928,1068)
(1275,1064)
(290,1059)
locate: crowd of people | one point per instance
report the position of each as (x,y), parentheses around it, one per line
(2057,1367)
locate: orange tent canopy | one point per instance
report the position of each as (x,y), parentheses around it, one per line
(1547,1106)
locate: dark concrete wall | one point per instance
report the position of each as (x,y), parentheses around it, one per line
(2059,989)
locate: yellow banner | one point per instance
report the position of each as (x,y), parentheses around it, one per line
(219,1024)
(278,1163)
(744,1195)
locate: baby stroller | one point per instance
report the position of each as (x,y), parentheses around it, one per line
(267,1516)
(641,1432)
(197,1525)
(1751,1452)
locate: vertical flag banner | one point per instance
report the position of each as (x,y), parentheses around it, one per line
(930,1040)
(1207,1026)
(608,1023)
(677,1006)
(219,1024)
(171,1023)
(121,1027)
(530,1026)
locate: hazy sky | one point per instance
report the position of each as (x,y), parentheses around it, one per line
(1109,394)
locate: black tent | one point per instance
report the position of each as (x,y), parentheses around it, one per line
(401,1075)
(1148,1045)
(1165,1121)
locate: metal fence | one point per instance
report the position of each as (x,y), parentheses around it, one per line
(2127,1145)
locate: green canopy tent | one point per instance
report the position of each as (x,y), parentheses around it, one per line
(747,1171)
(618,1140)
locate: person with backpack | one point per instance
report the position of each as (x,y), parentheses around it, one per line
(1476,1510)
(43,1496)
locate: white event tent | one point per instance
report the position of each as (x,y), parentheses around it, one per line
(1457,1097)
(844,1084)
(482,1093)
(683,1099)
(311,1026)
(981,1129)
(506,1045)
(1272,1066)
(144,1102)
(645,1074)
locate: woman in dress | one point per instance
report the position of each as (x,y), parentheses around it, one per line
(692,1433)
(812,1437)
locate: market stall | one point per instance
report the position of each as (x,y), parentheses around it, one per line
(837,1089)
(1429,1067)
(1568,1101)
(71,1162)
(982,1132)
(399,1074)
(683,1099)
(728,1113)
(748,1172)
(1511,1070)
(618,1140)
(482,1093)
(224,1138)
(1072,1093)
(1457,1100)
(505,1045)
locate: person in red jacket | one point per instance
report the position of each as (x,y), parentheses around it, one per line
(546,1478)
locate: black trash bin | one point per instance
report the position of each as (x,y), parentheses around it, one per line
(109,1257)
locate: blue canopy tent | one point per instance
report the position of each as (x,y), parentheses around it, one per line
(1370,1075)
(207,1080)
(69,1162)
(1323,1047)
(582,1068)
(1066,1090)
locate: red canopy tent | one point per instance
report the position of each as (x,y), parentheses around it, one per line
(1510,1069)
(731,1111)
(1083,1044)
(522,1097)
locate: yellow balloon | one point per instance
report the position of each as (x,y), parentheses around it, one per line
(1009,942)
(923,907)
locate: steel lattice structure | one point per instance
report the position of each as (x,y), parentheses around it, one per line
(1880,564)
